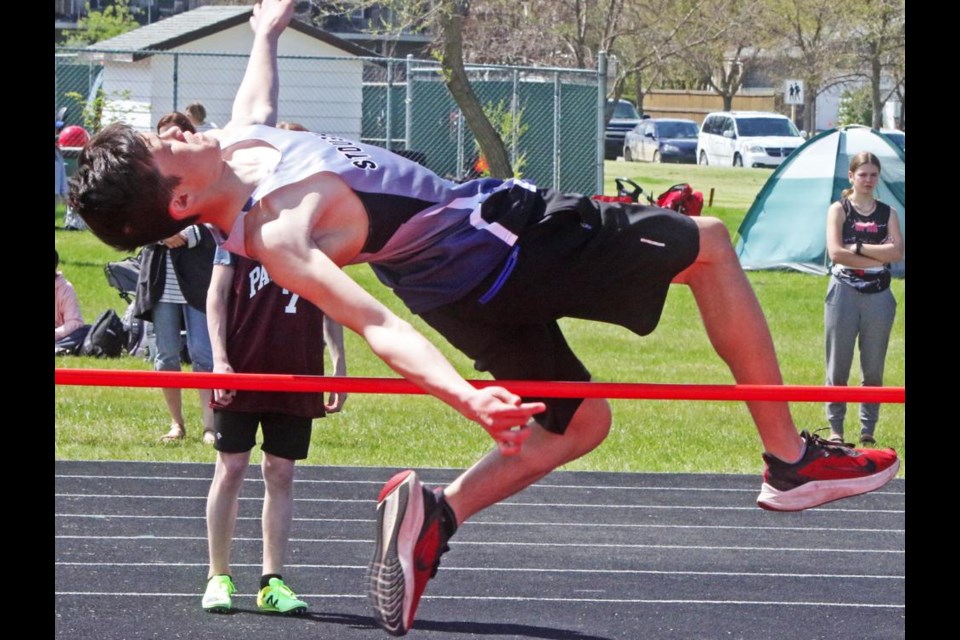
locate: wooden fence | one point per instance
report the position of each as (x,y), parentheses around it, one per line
(695,105)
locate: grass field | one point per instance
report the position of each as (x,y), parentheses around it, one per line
(647,436)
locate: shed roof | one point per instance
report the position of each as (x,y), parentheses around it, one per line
(198,23)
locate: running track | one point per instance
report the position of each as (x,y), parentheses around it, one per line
(592,556)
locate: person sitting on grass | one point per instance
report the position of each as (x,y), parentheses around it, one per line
(69,329)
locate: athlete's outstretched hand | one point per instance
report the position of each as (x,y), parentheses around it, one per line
(272,16)
(504,417)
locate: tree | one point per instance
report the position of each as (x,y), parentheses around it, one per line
(816,35)
(723,62)
(102,25)
(517,32)
(491,144)
(855,107)
(651,35)
(880,50)
(444,19)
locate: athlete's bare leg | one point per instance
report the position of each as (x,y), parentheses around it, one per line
(738,330)
(496,476)
(222,503)
(277,511)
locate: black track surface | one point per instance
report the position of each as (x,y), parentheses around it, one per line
(592,556)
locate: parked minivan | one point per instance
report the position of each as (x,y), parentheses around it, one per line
(747,139)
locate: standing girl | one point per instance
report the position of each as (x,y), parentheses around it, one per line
(863,238)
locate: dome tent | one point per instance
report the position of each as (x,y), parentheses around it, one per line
(786,226)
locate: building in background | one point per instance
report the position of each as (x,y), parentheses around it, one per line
(164,66)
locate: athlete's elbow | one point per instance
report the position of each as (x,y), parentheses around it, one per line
(266,114)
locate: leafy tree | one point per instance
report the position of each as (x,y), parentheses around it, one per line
(723,62)
(855,107)
(92,110)
(879,50)
(102,25)
(517,32)
(816,43)
(444,19)
(647,37)
(451,18)
(510,126)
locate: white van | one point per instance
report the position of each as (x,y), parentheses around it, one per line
(747,139)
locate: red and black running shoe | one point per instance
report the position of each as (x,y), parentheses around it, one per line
(827,471)
(412,532)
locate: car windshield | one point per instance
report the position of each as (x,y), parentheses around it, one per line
(625,111)
(677,130)
(766,127)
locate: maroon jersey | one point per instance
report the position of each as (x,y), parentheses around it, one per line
(272,330)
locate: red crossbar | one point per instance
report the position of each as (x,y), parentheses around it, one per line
(528,388)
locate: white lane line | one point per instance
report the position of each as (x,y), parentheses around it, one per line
(753,508)
(565,487)
(565,599)
(475,523)
(648,572)
(492,543)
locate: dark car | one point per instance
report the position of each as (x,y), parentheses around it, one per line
(662,140)
(623,117)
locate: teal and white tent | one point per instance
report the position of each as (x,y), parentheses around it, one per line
(786,226)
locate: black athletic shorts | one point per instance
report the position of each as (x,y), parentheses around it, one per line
(580,258)
(284,435)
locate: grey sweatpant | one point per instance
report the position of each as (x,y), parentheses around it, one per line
(849,315)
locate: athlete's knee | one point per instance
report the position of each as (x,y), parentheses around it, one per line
(277,471)
(716,250)
(590,424)
(715,239)
(232,468)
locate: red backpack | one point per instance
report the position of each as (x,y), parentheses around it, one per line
(682,198)
(628,192)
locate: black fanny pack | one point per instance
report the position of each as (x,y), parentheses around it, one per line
(864,281)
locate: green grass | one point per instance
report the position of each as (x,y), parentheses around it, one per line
(397,430)
(733,189)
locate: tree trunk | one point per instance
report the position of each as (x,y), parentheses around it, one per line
(810,108)
(903,113)
(875,71)
(638,90)
(455,77)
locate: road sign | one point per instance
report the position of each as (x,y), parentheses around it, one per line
(793,91)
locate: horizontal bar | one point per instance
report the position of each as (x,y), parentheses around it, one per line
(527,388)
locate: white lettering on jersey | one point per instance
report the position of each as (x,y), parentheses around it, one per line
(292,305)
(259,278)
(256,279)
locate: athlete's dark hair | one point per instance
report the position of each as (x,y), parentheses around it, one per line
(119,192)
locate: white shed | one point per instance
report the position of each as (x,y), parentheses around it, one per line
(200,55)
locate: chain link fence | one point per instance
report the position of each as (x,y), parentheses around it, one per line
(550,119)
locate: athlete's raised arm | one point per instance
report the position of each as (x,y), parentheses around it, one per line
(256,99)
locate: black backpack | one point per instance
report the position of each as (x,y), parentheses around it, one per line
(106,338)
(135,330)
(122,275)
